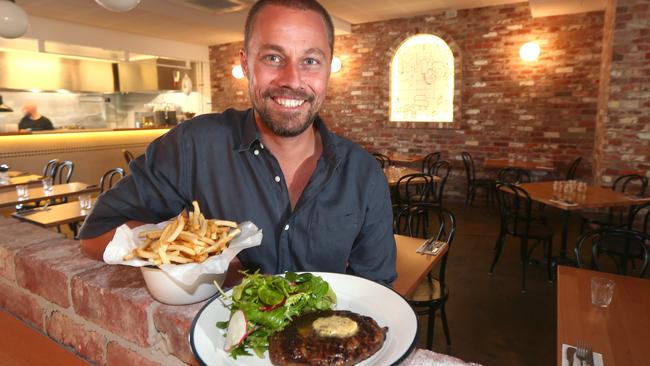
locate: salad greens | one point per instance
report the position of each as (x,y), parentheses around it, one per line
(270,302)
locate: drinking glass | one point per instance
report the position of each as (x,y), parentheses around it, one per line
(47,185)
(602,291)
(22,191)
(85,202)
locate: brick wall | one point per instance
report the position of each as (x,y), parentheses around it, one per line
(540,109)
(626,130)
(102,313)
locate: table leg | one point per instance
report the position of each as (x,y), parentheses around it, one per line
(566,216)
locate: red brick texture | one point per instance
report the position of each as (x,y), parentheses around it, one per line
(626,129)
(102,313)
(542,109)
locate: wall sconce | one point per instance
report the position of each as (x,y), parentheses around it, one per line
(529,51)
(13,21)
(336,64)
(237,72)
(119,6)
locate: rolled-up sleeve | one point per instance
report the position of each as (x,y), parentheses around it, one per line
(154,191)
(374,252)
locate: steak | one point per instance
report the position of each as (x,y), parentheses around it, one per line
(299,344)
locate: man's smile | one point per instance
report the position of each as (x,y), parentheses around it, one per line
(288,102)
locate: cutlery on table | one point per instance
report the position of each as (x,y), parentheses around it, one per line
(582,352)
(570,352)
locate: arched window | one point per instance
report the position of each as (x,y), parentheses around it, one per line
(422,81)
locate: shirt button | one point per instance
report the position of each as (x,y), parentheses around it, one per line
(262,145)
(256,152)
(277,178)
(286,227)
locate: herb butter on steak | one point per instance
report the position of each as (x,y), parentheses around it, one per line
(338,342)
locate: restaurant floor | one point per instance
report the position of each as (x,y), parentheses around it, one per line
(491,321)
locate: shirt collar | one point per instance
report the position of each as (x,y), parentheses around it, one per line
(250,135)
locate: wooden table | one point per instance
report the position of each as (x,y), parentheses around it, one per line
(16,173)
(594,197)
(65,213)
(404,159)
(526,165)
(22,179)
(9,199)
(620,332)
(392,179)
(412,267)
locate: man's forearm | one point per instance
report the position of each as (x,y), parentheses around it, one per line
(94,247)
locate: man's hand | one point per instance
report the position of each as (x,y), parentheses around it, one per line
(94,247)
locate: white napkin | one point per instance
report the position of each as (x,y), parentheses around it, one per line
(125,240)
(598,358)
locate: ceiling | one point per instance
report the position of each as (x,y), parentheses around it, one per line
(186,21)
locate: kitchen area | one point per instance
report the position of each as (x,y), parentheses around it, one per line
(104,92)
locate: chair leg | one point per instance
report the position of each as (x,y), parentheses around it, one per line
(445,325)
(549,261)
(431,323)
(498,248)
(524,263)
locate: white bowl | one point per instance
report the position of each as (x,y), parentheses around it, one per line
(167,290)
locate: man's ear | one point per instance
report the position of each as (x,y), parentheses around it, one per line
(243,62)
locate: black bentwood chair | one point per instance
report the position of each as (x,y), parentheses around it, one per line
(623,247)
(429,161)
(513,176)
(571,172)
(440,169)
(412,188)
(473,183)
(633,185)
(430,221)
(382,160)
(515,211)
(109,178)
(128,156)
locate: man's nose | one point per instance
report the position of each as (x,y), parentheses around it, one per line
(290,76)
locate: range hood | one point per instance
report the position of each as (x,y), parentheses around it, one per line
(30,70)
(154,75)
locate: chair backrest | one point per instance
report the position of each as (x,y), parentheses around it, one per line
(513,176)
(429,161)
(128,156)
(109,178)
(428,220)
(621,246)
(631,184)
(49,170)
(468,162)
(515,207)
(64,172)
(412,188)
(439,169)
(383,160)
(571,173)
(640,218)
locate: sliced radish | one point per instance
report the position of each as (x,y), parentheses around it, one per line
(236,330)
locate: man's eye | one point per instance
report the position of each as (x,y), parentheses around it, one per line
(273,59)
(312,61)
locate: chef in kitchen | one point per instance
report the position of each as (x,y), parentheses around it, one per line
(34,121)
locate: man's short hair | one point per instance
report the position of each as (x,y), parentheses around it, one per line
(293,4)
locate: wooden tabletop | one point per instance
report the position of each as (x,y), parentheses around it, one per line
(594,197)
(16,173)
(404,159)
(10,198)
(22,345)
(526,165)
(51,216)
(392,179)
(620,332)
(22,179)
(412,267)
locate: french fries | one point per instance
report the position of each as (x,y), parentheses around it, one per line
(188,238)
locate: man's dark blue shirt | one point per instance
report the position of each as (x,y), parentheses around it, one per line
(341,223)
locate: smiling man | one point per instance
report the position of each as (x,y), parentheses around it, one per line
(322,202)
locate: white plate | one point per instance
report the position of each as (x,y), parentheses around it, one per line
(356,294)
